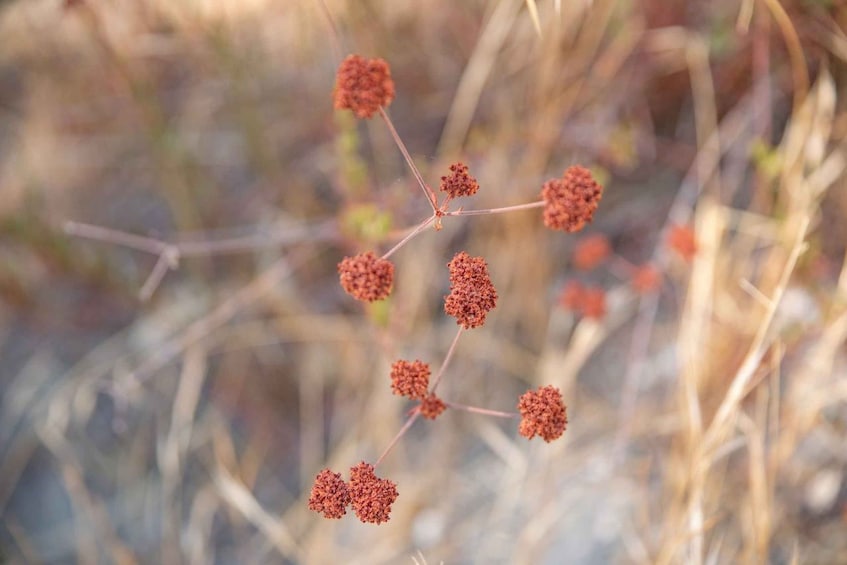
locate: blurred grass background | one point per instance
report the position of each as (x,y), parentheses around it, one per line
(708,423)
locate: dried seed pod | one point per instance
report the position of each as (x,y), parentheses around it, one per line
(366,277)
(543,413)
(363,86)
(570,201)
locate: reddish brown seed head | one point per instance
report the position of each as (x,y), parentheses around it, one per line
(459,182)
(682,240)
(593,303)
(571,296)
(366,277)
(363,86)
(646,279)
(329,496)
(543,413)
(410,378)
(472,295)
(431,407)
(570,201)
(590,252)
(371,496)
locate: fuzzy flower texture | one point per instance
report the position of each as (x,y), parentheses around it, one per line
(543,413)
(410,378)
(459,182)
(472,295)
(363,86)
(370,495)
(366,277)
(570,202)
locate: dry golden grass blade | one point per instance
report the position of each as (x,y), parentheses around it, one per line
(533,14)
(235,494)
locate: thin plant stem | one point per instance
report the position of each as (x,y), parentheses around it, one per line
(483,411)
(107,235)
(503,210)
(446,360)
(418,229)
(401,433)
(430,195)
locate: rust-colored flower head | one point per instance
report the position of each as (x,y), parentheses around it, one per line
(593,303)
(570,202)
(571,296)
(590,252)
(543,413)
(432,407)
(646,279)
(410,378)
(682,240)
(363,86)
(472,295)
(459,182)
(366,277)
(329,496)
(371,496)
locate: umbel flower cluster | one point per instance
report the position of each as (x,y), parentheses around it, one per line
(364,86)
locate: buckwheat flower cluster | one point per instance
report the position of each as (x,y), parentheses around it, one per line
(645,279)
(410,379)
(472,295)
(366,277)
(431,406)
(543,413)
(459,182)
(590,252)
(586,300)
(570,201)
(330,495)
(371,496)
(363,86)
(682,240)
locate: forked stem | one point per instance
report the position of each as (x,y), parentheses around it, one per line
(420,227)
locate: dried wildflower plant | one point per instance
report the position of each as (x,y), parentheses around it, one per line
(364,86)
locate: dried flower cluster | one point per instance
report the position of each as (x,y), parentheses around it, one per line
(590,252)
(363,86)
(472,295)
(330,495)
(371,496)
(432,406)
(682,240)
(543,413)
(588,301)
(366,277)
(570,201)
(459,182)
(646,279)
(410,379)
